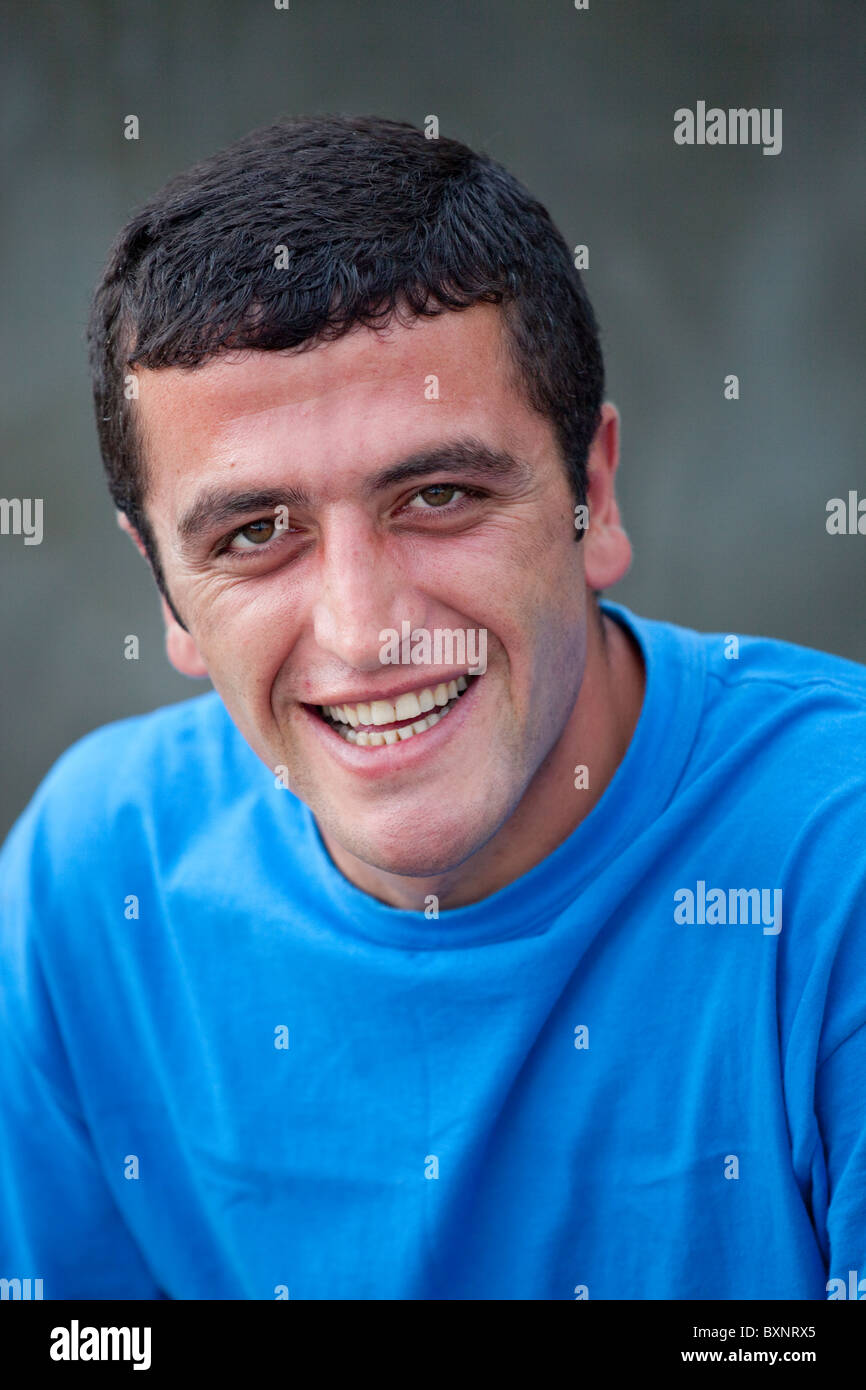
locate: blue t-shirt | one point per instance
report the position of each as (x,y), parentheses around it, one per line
(636,1072)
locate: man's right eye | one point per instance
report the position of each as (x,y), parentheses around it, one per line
(255,533)
(254,537)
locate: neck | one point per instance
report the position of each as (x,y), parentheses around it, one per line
(596,735)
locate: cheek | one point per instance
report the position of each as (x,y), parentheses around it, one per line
(521,579)
(546,592)
(553,619)
(245,640)
(522,565)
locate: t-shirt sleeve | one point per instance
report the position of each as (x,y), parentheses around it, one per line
(840,1104)
(58,1220)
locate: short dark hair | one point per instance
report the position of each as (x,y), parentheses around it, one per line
(377,221)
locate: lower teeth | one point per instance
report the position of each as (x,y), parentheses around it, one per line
(376,738)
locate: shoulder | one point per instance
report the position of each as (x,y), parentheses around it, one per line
(141,750)
(780,700)
(737,661)
(773,788)
(129,772)
(765,700)
(775,741)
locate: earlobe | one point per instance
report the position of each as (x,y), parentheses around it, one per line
(182,651)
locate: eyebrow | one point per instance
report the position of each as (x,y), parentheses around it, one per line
(470,458)
(217,507)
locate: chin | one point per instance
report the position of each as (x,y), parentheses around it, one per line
(416,852)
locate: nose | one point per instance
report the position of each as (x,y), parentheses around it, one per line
(363,589)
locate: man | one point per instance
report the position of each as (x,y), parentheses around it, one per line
(476,938)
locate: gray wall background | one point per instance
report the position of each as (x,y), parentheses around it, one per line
(703,261)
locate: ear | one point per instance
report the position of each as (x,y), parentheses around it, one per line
(607,553)
(180,648)
(126,525)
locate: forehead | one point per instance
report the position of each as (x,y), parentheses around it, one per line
(358,402)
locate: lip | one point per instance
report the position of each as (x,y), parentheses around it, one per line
(394,757)
(392,693)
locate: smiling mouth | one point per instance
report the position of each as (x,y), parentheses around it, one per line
(382,722)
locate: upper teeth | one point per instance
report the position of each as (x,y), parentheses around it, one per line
(408,706)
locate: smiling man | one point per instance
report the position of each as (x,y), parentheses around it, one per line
(428,978)
(449,516)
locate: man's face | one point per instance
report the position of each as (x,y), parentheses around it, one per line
(289,620)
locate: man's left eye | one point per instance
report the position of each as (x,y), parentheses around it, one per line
(437,495)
